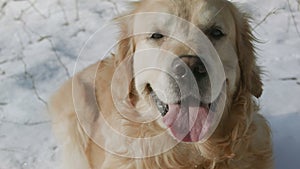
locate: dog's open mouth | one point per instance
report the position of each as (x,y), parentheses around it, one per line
(186,119)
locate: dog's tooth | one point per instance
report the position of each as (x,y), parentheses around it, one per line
(162,107)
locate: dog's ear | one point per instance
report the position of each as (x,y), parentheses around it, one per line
(250,71)
(124,55)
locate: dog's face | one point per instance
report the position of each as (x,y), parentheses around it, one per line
(185,55)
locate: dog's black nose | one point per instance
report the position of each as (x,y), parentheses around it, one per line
(183,63)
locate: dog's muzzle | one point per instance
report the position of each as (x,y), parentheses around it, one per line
(186,118)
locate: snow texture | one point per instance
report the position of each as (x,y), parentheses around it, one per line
(41,39)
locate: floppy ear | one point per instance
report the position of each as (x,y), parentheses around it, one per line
(124,53)
(250,72)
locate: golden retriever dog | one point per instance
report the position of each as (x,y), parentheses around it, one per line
(179,92)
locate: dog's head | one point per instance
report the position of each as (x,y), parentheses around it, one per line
(186,55)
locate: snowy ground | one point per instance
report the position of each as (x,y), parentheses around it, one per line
(39,44)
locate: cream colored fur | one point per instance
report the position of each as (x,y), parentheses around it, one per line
(241,141)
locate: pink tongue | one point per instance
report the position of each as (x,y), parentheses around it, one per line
(185,122)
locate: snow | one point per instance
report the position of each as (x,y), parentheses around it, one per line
(39,45)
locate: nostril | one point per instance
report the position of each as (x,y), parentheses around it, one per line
(201,68)
(180,70)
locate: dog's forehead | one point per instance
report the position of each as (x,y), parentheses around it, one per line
(199,12)
(207,12)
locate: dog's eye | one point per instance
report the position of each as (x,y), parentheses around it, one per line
(156,36)
(216,33)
